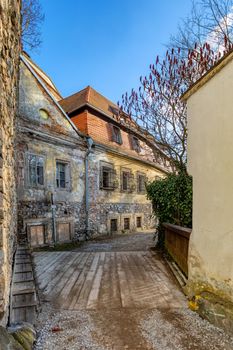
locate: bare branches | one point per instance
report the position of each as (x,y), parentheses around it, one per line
(210,21)
(202,38)
(157,106)
(32,18)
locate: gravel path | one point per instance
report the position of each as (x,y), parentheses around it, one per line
(132,328)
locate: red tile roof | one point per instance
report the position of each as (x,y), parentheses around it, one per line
(91,97)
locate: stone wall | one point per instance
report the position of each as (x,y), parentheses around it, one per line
(40,212)
(9,58)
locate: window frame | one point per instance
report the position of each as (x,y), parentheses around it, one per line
(140,219)
(116,138)
(139,190)
(108,168)
(128,220)
(28,176)
(67,173)
(135,143)
(130,177)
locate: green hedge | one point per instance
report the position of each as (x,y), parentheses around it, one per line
(172,201)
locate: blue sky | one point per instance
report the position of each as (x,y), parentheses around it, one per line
(105,44)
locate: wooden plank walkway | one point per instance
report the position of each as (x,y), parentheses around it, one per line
(23,304)
(112,280)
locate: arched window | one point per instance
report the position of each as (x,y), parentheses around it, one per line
(44,114)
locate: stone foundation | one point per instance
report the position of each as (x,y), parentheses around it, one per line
(101,214)
(40,213)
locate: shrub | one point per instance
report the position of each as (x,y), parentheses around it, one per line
(172,201)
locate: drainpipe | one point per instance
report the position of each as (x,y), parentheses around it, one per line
(89,151)
(53,206)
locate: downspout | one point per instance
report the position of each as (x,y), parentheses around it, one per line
(89,151)
(53,207)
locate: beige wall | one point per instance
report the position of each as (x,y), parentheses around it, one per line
(210,162)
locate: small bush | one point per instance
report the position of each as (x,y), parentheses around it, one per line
(172,201)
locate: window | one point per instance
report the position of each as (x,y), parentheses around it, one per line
(136,144)
(62,175)
(139,221)
(116,134)
(107,176)
(35,170)
(126,223)
(44,114)
(113,224)
(125,180)
(141,183)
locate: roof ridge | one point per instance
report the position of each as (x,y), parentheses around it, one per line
(74,94)
(88,92)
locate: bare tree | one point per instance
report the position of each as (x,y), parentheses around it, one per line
(32,19)
(209,21)
(157,106)
(202,38)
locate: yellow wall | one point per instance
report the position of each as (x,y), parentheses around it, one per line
(117,195)
(210,162)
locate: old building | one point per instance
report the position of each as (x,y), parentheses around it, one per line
(80,173)
(210,162)
(121,160)
(9,54)
(50,163)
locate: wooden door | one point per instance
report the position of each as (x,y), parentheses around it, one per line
(37,237)
(63,232)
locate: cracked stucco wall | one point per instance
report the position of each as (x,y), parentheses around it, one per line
(210,162)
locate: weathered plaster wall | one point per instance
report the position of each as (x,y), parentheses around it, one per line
(9,54)
(55,139)
(107,204)
(210,162)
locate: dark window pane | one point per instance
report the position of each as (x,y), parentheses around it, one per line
(36,170)
(126,223)
(62,184)
(125,180)
(139,221)
(61,175)
(113,225)
(141,183)
(40,175)
(117,135)
(106,178)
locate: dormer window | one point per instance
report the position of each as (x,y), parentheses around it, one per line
(116,134)
(135,144)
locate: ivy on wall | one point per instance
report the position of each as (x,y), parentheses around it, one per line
(172,201)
